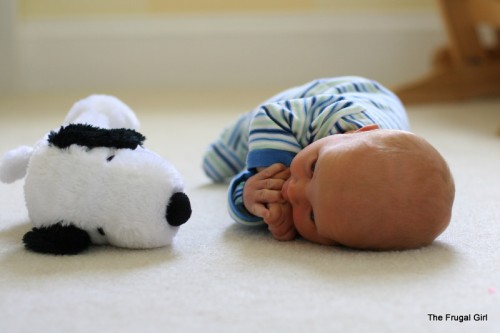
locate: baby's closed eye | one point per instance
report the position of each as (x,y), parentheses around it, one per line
(312,168)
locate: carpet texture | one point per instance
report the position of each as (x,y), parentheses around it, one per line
(221,277)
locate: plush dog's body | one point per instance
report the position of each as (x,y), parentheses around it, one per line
(92,181)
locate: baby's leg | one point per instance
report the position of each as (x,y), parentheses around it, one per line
(226,156)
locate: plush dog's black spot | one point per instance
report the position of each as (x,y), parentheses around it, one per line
(178,209)
(92,137)
(109,159)
(57,239)
(101,231)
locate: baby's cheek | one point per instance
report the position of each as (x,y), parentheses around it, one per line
(298,220)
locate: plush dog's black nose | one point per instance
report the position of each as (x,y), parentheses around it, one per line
(178,209)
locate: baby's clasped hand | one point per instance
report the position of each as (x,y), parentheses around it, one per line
(262,197)
(280,221)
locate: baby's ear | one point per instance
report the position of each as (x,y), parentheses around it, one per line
(14,164)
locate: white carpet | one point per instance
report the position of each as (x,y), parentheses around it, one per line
(219,277)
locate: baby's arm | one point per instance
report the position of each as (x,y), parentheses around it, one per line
(262,197)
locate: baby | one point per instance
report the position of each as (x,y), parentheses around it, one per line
(333,161)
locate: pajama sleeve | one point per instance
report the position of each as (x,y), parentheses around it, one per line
(272,139)
(274,135)
(236,207)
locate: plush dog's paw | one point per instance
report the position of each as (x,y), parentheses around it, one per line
(57,239)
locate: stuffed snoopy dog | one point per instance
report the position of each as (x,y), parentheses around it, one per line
(92,181)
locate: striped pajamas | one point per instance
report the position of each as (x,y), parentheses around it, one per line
(278,129)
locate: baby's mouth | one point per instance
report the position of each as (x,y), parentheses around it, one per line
(284,189)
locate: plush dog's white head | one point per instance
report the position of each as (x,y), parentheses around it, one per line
(86,184)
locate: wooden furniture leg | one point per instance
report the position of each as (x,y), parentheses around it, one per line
(465,68)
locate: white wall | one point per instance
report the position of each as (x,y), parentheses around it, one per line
(7,44)
(208,51)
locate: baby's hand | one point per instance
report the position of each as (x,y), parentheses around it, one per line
(264,188)
(280,222)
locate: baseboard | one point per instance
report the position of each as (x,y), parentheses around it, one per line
(220,51)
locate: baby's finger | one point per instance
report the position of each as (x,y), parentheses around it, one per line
(275,214)
(284,174)
(270,171)
(271,184)
(269,196)
(259,210)
(280,223)
(283,232)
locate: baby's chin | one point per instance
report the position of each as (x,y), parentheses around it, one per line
(384,244)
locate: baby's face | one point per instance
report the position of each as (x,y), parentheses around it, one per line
(383,189)
(314,189)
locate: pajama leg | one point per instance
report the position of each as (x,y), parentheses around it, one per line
(226,157)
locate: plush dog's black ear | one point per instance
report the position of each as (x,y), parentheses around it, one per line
(57,239)
(93,137)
